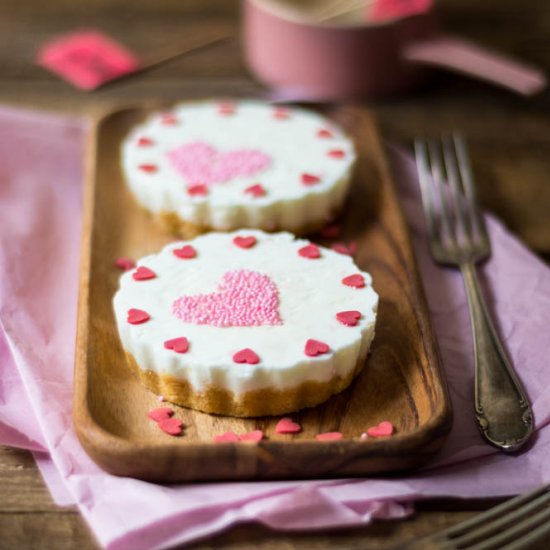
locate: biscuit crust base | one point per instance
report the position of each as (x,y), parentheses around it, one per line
(173,224)
(262,402)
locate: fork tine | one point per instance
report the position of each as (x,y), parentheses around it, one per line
(505,527)
(468,182)
(438,177)
(514,533)
(422,164)
(496,511)
(529,539)
(462,214)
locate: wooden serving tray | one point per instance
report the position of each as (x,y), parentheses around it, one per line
(402,381)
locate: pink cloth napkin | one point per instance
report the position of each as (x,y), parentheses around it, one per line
(40,213)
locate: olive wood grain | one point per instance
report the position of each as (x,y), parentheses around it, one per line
(402,381)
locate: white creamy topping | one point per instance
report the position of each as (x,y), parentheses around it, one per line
(284,149)
(310,293)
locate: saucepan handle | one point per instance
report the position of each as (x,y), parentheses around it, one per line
(459,55)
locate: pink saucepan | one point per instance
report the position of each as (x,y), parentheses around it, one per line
(332,60)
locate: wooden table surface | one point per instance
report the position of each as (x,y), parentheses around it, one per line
(509,138)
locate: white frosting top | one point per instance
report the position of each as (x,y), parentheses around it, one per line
(224,298)
(228,165)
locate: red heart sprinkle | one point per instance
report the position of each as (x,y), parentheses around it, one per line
(286,426)
(310,179)
(145,142)
(162,413)
(324,133)
(226,437)
(336,153)
(125,263)
(342,248)
(246,355)
(226,109)
(185,252)
(245,242)
(310,251)
(384,429)
(256,190)
(169,119)
(179,345)
(148,168)
(256,435)
(171,426)
(315,347)
(143,273)
(197,190)
(331,231)
(329,436)
(281,114)
(349,318)
(355,281)
(137,316)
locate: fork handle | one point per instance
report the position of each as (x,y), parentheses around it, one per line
(502,408)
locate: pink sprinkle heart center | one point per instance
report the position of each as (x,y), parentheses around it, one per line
(244,298)
(199,162)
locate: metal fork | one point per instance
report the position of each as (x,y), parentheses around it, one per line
(516,524)
(458,237)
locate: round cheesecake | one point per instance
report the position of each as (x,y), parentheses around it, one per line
(223,166)
(246,323)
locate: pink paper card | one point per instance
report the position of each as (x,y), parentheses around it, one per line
(87,59)
(382,10)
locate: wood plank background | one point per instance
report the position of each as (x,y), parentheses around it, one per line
(509,138)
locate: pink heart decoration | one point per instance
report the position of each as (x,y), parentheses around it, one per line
(171,426)
(310,251)
(179,345)
(245,242)
(244,298)
(143,273)
(336,153)
(201,162)
(349,318)
(310,179)
(162,413)
(257,190)
(329,436)
(125,263)
(226,437)
(355,281)
(286,426)
(256,435)
(137,316)
(315,347)
(145,142)
(246,356)
(324,133)
(186,252)
(384,429)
